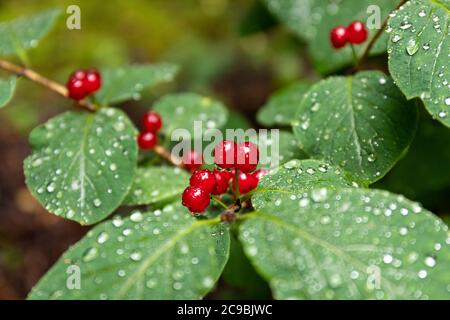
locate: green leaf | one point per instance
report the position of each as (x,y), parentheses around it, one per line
(362,123)
(312,21)
(7,88)
(157,184)
(419,54)
(120,84)
(82,164)
(288,149)
(283,105)
(241,279)
(422,174)
(295,177)
(179,111)
(24,33)
(167,254)
(349,244)
(236,120)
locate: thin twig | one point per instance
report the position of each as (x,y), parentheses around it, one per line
(166,155)
(49,84)
(375,38)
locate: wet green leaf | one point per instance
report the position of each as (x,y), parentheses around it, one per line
(418,49)
(283,105)
(294,178)
(120,84)
(278,152)
(181,110)
(361,123)
(82,164)
(349,244)
(165,254)
(24,33)
(157,184)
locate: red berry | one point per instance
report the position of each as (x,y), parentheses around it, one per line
(225,154)
(76,89)
(78,74)
(152,121)
(356,32)
(222,179)
(247,156)
(147,140)
(193,160)
(204,179)
(195,199)
(93,80)
(339,37)
(247,182)
(260,173)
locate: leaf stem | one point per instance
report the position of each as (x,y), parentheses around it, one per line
(216,199)
(375,38)
(43,81)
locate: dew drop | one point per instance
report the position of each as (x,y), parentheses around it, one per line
(136,256)
(97,202)
(430,261)
(90,254)
(102,237)
(412,47)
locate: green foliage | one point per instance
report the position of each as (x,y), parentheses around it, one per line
(283,105)
(164,254)
(156,184)
(422,174)
(287,149)
(418,54)
(312,21)
(120,84)
(181,110)
(312,229)
(82,164)
(295,177)
(348,244)
(361,123)
(24,33)
(7,88)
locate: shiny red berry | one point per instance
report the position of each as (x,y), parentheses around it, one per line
(76,89)
(152,121)
(147,140)
(339,37)
(78,74)
(356,32)
(247,182)
(204,179)
(225,154)
(192,160)
(260,173)
(247,156)
(93,80)
(222,181)
(195,199)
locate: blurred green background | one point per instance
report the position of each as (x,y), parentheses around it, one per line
(233,50)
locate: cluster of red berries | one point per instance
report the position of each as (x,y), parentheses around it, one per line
(148,137)
(230,158)
(82,83)
(354,33)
